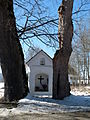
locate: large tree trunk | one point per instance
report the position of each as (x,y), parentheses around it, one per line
(11,55)
(61,86)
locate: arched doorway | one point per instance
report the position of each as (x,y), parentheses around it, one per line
(41,83)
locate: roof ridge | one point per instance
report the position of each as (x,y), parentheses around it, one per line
(37,54)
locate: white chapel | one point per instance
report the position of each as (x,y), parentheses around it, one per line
(41,74)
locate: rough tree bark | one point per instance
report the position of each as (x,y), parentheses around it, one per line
(11,55)
(61,86)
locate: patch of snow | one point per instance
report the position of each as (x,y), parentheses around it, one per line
(1,89)
(79,100)
(1,85)
(83,93)
(88,87)
(4,112)
(69,104)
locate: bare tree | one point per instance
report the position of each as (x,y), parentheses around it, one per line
(61,87)
(81,53)
(31,52)
(11,55)
(38,25)
(33,23)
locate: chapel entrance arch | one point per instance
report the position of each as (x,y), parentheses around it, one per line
(41,82)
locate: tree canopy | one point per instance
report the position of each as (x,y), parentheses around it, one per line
(37,21)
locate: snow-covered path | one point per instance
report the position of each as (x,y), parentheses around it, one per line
(69,104)
(78,101)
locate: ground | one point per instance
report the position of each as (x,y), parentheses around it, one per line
(74,107)
(49,116)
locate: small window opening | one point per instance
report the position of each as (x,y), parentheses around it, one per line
(42,61)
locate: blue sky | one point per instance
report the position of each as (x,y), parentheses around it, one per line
(54,4)
(53,7)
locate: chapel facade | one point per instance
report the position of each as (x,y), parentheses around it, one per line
(41,74)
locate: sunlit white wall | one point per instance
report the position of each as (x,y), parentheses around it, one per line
(0,70)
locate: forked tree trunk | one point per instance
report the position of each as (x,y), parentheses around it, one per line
(61,86)
(11,55)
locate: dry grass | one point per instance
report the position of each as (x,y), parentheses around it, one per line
(81,88)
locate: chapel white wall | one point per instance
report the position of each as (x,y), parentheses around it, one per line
(36,68)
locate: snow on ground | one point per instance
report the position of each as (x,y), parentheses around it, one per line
(1,89)
(79,100)
(69,104)
(1,85)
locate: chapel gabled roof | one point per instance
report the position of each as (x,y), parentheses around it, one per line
(37,54)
